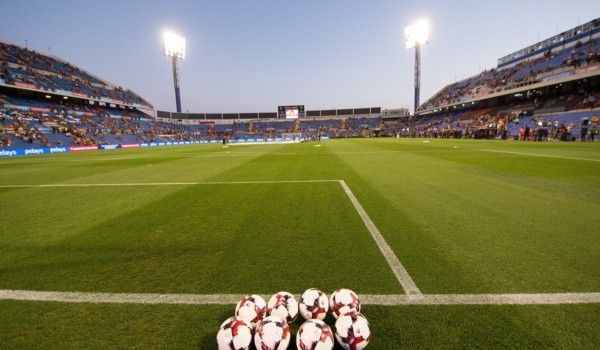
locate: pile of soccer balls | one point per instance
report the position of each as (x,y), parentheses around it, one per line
(269,322)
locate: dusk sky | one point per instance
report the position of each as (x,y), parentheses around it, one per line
(245,55)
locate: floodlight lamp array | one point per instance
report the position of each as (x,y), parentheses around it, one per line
(174,45)
(417,34)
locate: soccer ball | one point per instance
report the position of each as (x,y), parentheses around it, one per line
(342,301)
(272,333)
(283,305)
(251,308)
(313,304)
(352,331)
(235,334)
(314,335)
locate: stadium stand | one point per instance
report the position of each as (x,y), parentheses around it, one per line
(548,91)
(552,86)
(568,58)
(28,69)
(46,101)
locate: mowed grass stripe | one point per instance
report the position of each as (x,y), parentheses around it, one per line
(396,266)
(541,155)
(208,238)
(464,221)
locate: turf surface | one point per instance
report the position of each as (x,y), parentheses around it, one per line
(463,217)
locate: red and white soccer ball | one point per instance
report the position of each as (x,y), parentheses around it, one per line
(272,333)
(234,334)
(283,305)
(352,331)
(313,304)
(342,301)
(314,335)
(252,308)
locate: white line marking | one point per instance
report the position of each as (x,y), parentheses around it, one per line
(402,275)
(366,299)
(540,155)
(413,295)
(482,299)
(167,183)
(133,298)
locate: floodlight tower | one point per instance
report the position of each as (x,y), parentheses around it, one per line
(175,48)
(416,36)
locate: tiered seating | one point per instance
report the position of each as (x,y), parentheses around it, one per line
(19,65)
(494,80)
(50,124)
(487,123)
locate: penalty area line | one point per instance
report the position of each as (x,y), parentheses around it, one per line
(133,184)
(366,299)
(402,275)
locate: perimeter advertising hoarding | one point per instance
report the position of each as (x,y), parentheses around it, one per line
(10,152)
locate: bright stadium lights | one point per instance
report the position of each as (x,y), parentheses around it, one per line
(175,48)
(174,45)
(416,36)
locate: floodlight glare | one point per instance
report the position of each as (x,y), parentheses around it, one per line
(174,45)
(417,34)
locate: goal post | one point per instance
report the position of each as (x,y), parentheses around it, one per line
(292,136)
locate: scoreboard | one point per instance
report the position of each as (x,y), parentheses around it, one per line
(290,112)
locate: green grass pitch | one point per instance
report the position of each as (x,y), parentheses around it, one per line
(463,217)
